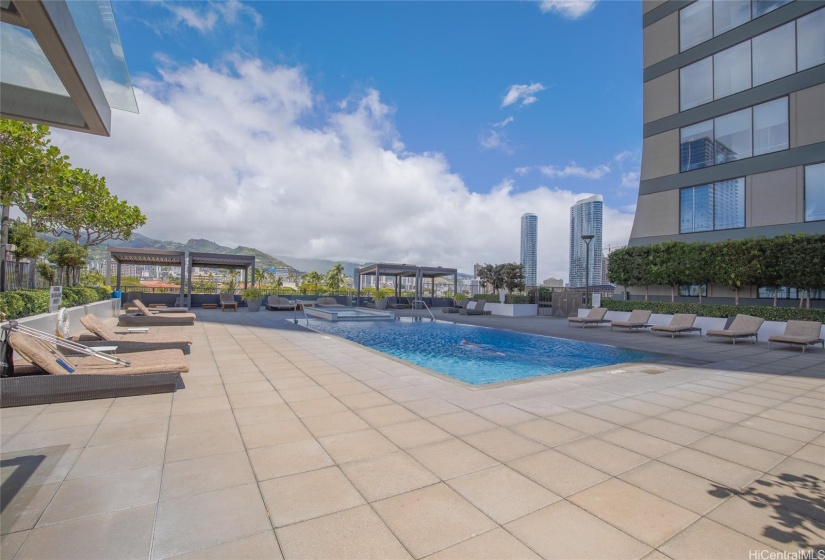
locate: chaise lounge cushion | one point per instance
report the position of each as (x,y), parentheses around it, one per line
(681,322)
(800,332)
(743,326)
(638,319)
(327,302)
(141,308)
(595,316)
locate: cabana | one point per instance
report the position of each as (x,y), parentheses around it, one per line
(398,271)
(148,257)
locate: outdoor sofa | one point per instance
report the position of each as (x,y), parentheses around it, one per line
(45,381)
(638,320)
(131,341)
(802,333)
(278,303)
(743,326)
(680,323)
(594,317)
(327,302)
(477,309)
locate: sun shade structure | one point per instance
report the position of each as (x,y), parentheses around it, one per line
(63,64)
(420,273)
(219,260)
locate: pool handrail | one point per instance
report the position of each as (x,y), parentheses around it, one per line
(424,303)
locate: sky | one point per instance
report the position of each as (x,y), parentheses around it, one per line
(365,131)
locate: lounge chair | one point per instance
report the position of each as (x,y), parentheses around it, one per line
(45,381)
(459,305)
(803,333)
(131,341)
(638,320)
(477,309)
(595,317)
(141,307)
(743,326)
(228,301)
(327,302)
(145,318)
(278,303)
(681,322)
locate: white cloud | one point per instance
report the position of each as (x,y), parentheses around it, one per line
(502,124)
(223,152)
(523,93)
(522,171)
(205,16)
(574,170)
(570,9)
(630,180)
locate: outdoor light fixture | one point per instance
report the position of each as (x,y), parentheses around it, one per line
(587,238)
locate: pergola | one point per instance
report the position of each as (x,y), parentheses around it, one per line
(420,273)
(220,260)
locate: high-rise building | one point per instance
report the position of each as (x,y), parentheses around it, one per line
(586,219)
(734,120)
(529,247)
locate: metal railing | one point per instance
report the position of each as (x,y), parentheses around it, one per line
(422,302)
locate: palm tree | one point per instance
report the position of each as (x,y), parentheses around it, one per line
(336,278)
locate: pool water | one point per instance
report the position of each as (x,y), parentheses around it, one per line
(479,355)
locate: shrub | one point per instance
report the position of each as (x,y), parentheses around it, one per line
(490,298)
(24,303)
(720,311)
(517,298)
(11,304)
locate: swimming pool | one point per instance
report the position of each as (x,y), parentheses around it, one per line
(479,355)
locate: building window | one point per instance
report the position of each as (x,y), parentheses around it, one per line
(730,14)
(762,7)
(712,207)
(767,292)
(774,54)
(696,84)
(810,40)
(815,192)
(706,19)
(753,131)
(695,24)
(692,290)
(732,70)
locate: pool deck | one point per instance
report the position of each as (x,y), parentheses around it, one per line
(291,444)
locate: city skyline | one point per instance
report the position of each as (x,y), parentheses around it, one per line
(586,218)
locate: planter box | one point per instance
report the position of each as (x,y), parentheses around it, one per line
(512,309)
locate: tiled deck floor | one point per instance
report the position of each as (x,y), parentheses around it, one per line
(290,444)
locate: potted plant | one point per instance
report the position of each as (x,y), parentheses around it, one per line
(253,298)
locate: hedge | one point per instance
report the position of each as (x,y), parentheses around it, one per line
(720,311)
(509,298)
(24,303)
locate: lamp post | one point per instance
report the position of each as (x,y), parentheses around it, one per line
(587,238)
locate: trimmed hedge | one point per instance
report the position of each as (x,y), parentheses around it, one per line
(720,311)
(509,298)
(24,303)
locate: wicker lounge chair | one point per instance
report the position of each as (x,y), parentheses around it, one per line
(278,303)
(228,302)
(131,342)
(45,381)
(144,318)
(139,306)
(803,333)
(681,322)
(459,305)
(478,309)
(743,326)
(638,320)
(327,302)
(595,317)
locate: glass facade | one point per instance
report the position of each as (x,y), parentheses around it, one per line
(692,290)
(815,192)
(766,292)
(777,53)
(753,131)
(529,247)
(705,19)
(586,218)
(712,207)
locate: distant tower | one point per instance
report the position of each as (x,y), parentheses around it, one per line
(529,247)
(586,218)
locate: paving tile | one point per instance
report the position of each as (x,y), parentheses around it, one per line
(355,534)
(497,544)
(451,458)
(566,531)
(811,453)
(780,428)
(431,519)
(266,414)
(462,423)
(695,421)
(388,475)
(365,400)
(640,514)
(205,474)
(11,543)
(262,545)
(122,534)
(22,507)
(504,414)
(602,455)
(667,431)
(613,414)
(67,419)
(737,452)
(308,495)
(431,407)
(758,438)
(198,406)
(356,446)
(710,467)
(264,435)
(202,444)
(643,444)
(200,422)
(558,472)
(414,434)
(387,415)
(288,458)
(796,485)
(72,437)
(503,444)
(116,457)
(502,493)
(195,522)
(640,407)
(38,466)
(249,400)
(692,492)
(707,539)
(103,494)
(792,418)
(547,432)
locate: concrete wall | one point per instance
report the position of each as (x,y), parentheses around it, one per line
(47,322)
(661,40)
(661,97)
(512,310)
(807,116)
(660,156)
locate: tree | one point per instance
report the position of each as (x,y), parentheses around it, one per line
(311,282)
(804,261)
(90,277)
(773,252)
(28,246)
(69,256)
(485,276)
(697,268)
(512,276)
(668,264)
(81,206)
(336,278)
(739,264)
